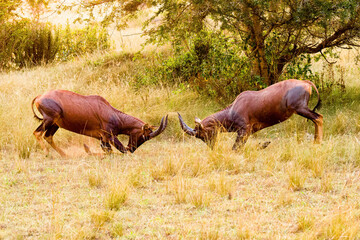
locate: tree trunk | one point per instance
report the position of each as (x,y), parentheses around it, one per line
(260,65)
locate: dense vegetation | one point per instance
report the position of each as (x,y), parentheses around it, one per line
(270,33)
(218,48)
(26,44)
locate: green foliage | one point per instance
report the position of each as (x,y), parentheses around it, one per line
(272,33)
(107,12)
(300,68)
(8,10)
(76,42)
(25,43)
(40,46)
(213,66)
(10,35)
(325,79)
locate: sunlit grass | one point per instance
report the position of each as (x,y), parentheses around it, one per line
(100,218)
(174,186)
(95,179)
(116,195)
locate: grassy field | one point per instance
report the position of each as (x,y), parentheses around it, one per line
(174,187)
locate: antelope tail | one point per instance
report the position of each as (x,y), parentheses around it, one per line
(318,105)
(32,108)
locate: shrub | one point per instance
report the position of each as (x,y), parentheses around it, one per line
(75,42)
(117,230)
(95,179)
(41,45)
(296,177)
(11,37)
(326,80)
(99,218)
(25,43)
(300,68)
(213,66)
(200,198)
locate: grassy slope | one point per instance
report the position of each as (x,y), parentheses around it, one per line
(174,186)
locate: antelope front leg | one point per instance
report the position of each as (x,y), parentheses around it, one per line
(49,138)
(241,139)
(118,145)
(318,129)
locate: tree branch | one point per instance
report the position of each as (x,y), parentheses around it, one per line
(334,40)
(326,58)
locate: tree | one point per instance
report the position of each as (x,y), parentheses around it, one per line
(107,11)
(8,9)
(271,32)
(36,8)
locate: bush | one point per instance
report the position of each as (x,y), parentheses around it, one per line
(11,37)
(331,76)
(24,43)
(76,42)
(300,68)
(213,66)
(40,46)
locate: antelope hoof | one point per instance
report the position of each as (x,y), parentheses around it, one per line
(265,144)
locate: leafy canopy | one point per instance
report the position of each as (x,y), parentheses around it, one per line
(271,32)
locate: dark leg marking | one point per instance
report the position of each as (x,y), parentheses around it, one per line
(241,139)
(105,146)
(118,145)
(38,134)
(51,130)
(316,118)
(40,130)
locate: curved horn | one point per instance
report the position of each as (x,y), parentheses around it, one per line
(161,128)
(185,127)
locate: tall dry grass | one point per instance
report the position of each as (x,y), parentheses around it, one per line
(173,186)
(110,80)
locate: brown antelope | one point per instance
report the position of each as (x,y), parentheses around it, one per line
(254,110)
(91,116)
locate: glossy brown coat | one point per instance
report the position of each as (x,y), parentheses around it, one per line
(254,110)
(92,116)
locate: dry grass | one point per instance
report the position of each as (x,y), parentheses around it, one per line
(52,197)
(173,187)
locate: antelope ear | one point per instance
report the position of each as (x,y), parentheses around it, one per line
(146,127)
(198,123)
